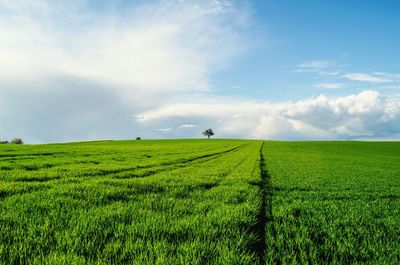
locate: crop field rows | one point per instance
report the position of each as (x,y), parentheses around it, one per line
(200,202)
(334,202)
(159,202)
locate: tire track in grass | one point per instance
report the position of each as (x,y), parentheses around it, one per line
(179,164)
(265,217)
(166,168)
(166,164)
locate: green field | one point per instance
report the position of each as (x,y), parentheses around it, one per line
(334,202)
(200,202)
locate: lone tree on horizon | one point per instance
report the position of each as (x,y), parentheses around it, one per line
(208,133)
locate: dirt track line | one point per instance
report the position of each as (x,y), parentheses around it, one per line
(265,212)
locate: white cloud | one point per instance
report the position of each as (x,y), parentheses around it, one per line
(369,78)
(388,75)
(183,126)
(68,73)
(163,46)
(320,67)
(93,71)
(165,130)
(332,73)
(237,116)
(359,116)
(317,64)
(329,85)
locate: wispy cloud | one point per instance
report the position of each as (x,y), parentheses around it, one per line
(164,130)
(184,126)
(368,78)
(237,116)
(320,67)
(329,85)
(388,75)
(316,65)
(172,51)
(332,73)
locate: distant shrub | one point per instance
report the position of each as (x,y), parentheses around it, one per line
(138,138)
(17,141)
(3,142)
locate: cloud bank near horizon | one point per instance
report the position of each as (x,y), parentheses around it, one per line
(366,115)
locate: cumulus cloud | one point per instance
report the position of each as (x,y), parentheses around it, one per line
(365,115)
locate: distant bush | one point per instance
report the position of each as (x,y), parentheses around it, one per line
(3,142)
(138,138)
(17,141)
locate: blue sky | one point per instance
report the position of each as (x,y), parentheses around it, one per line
(290,70)
(356,36)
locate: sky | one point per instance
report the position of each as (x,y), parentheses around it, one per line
(273,69)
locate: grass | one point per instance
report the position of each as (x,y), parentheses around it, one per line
(143,202)
(334,202)
(200,202)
